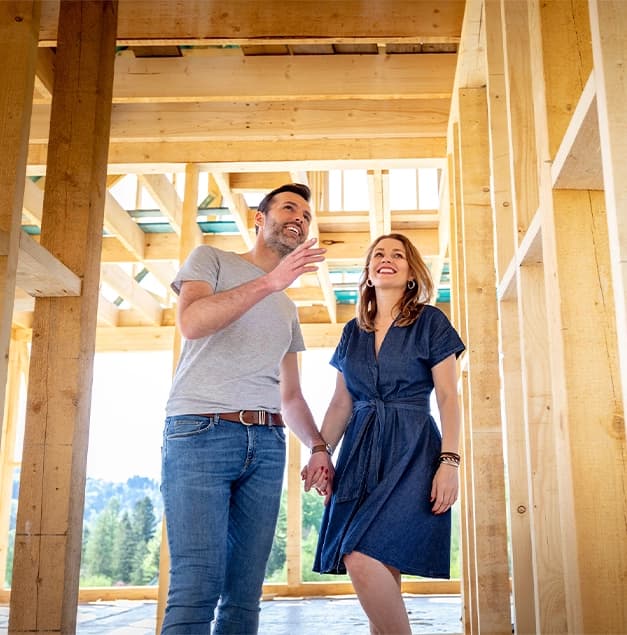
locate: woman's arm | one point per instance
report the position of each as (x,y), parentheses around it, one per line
(338,413)
(333,425)
(445,486)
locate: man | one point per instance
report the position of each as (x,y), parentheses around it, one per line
(224,440)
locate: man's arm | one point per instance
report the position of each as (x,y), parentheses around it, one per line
(299,418)
(201,312)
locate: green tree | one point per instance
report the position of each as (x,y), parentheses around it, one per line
(98,561)
(144,521)
(313,508)
(124,549)
(10,551)
(150,566)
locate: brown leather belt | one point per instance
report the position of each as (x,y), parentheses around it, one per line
(251,417)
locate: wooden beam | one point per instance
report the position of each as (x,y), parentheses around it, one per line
(577,163)
(595,410)
(234,78)
(516,358)
(254,121)
(44,80)
(379,195)
(322,272)
(108,313)
(132,338)
(118,222)
(251,155)
(19,24)
(146,22)
(39,273)
(236,204)
(33,202)
(165,195)
(343,248)
(17,372)
(49,524)
(257,181)
(489,517)
(607,19)
(128,288)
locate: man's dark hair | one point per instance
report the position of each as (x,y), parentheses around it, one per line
(297,188)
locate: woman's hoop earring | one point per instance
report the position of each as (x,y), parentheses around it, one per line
(369,283)
(411,284)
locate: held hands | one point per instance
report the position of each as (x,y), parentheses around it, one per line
(319,473)
(445,488)
(295,264)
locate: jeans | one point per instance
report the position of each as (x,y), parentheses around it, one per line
(221,487)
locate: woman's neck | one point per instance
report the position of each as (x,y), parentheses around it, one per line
(387,307)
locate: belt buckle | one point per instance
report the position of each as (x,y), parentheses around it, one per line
(241,419)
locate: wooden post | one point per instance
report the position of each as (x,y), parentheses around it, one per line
(18,368)
(493,601)
(294,513)
(515,428)
(190,237)
(48,542)
(19,33)
(458,316)
(608,22)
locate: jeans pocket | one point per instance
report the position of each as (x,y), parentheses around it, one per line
(179,427)
(279,433)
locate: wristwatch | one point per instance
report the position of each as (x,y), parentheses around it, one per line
(322,447)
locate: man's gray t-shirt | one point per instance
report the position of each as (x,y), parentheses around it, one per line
(236,368)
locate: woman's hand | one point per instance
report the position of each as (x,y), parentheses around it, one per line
(319,473)
(445,488)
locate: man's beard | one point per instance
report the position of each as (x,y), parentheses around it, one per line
(276,242)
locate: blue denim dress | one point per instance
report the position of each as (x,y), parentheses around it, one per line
(389,453)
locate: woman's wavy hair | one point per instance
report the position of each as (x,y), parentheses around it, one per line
(413,300)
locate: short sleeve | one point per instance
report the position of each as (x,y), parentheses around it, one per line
(443,339)
(202,264)
(337,360)
(298,342)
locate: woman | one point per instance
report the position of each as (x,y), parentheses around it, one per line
(396,476)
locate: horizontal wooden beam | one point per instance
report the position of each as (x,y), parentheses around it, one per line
(254,121)
(305,589)
(341,246)
(150,338)
(147,22)
(39,273)
(261,78)
(254,155)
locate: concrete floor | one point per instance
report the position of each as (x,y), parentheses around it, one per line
(340,615)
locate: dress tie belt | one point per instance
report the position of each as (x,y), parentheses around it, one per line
(362,466)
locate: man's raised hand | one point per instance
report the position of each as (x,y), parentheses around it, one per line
(299,261)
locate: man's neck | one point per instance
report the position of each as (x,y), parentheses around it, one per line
(262,256)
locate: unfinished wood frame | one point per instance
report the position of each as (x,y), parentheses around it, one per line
(488,575)
(19,26)
(528,117)
(558,341)
(49,525)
